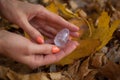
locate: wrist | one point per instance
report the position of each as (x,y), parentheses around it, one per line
(4,4)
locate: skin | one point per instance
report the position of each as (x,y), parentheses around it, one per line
(37,22)
(34,55)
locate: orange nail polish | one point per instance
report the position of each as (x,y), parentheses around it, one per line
(40,40)
(55,49)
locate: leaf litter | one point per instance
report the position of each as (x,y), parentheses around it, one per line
(96,58)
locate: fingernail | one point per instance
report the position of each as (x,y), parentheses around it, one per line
(40,40)
(77,34)
(55,49)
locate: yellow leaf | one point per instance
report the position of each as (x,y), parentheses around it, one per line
(109,34)
(26,35)
(84,30)
(85,48)
(64,12)
(52,7)
(104,31)
(102,27)
(56,7)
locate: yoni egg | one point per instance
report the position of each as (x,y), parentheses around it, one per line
(62,38)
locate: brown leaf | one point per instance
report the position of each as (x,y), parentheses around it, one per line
(111,71)
(91,75)
(96,60)
(3,72)
(73,69)
(55,76)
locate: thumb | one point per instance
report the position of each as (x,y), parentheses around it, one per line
(31,31)
(43,49)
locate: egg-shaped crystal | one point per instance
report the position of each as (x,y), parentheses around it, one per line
(62,37)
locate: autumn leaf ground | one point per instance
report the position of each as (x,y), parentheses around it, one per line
(103,64)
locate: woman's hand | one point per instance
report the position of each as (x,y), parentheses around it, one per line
(29,53)
(35,19)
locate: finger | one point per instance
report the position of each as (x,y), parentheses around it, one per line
(43,49)
(45,27)
(45,60)
(69,48)
(75,34)
(33,33)
(52,58)
(46,34)
(52,18)
(40,28)
(38,22)
(40,60)
(49,41)
(35,61)
(50,30)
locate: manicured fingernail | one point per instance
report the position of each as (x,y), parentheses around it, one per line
(55,49)
(40,40)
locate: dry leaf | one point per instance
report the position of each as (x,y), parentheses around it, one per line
(85,48)
(55,76)
(96,60)
(86,73)
(6,73)
(104,31)
(87,69)
(52,7)
(26,35)
(73,70)
(110,71)
(3,72)
(61,9)
(91,75)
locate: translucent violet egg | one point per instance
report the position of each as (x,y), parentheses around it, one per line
(61,38)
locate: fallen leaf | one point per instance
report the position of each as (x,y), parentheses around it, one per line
(3,72)
(111,71)
(52,7)
(55,76)
(73,69)
(57,7)
(104,30)
(96,60)
(85,48)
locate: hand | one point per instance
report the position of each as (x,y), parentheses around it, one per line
(35,19)
(29,53)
